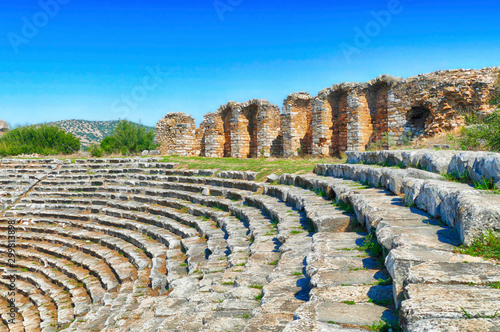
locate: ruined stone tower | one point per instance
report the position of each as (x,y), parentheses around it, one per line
(177,134)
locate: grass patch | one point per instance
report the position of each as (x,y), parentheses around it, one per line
(372,247)
(384,282)
(349,208)
(349,302)
(256,286)
(384,326)
(488,246)
(458,177)
(264,166)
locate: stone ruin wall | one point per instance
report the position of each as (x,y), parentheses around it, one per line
(344,117)
(4,127)
(296,123)
(242,130)
(178,135)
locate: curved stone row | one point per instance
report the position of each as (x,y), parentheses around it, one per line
(470,211)
(476,165)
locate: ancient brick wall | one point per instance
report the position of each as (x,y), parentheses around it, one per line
(212,136)
(297,124)
(176,133)
(434,103)
(248,130)
(348,116)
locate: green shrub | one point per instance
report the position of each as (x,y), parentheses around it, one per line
(44,140)
(95,150)
(483,135)
(129,138)
(109,145)
(495,100)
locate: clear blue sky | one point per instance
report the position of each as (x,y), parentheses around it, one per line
(86,57)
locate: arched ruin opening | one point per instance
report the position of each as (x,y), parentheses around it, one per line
(416,118)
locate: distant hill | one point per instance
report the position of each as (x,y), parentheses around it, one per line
(88,131)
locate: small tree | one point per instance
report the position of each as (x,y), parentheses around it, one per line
(109,145)
(129,138)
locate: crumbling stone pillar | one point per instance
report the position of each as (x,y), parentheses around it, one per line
(297,124)
(359,122)
(330,120)
(176,132)
(213,136)
(321,124)
(4,127)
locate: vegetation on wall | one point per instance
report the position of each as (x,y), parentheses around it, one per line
(483,134)
(44,140)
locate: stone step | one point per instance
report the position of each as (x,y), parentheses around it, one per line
(286,289)
(343,275)
(24,319)
(57,294)
(80,275)
(96,266)
(121,267)
(79,296)
(53,227)
(325,216)
(466,293)
(68,173)
(154,250)
(192,184)
(27,293)
(434,304)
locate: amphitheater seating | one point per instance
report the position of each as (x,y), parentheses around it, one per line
(137,244)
